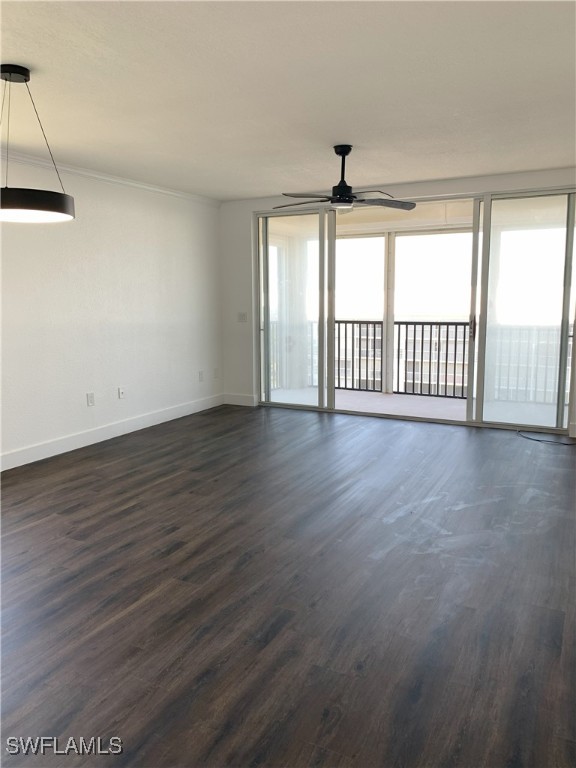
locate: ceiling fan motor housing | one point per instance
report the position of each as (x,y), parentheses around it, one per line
(343,193)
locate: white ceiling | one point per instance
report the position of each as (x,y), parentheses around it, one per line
(239,99)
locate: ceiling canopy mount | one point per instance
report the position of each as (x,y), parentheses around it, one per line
(14,73)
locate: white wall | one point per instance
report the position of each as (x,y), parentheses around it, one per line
(239,268)
(239,286)
(126,295)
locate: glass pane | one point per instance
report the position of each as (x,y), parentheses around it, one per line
(525,285)
(433,277)
(359,321)
(427,215)
(293,289)
(431,320)
(360,278)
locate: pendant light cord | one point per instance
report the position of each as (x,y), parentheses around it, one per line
(3,97)
(8,133)
(2,118)
(43,134)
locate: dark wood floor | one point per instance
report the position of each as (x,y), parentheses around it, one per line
(266,587)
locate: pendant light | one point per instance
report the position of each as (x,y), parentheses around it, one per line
(22,205)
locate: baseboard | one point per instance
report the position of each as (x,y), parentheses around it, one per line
(49,448)
(249,400)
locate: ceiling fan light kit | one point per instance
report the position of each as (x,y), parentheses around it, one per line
(343,197)
(20,204)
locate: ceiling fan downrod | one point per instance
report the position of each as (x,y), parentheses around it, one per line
(342,190)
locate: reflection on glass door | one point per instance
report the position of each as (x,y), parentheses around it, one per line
(290,299)
(526,355)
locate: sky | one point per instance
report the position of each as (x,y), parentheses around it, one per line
(433,277)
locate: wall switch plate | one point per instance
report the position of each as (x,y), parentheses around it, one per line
(200,375)
(90,399)
(120,393)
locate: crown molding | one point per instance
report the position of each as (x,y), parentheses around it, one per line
(73,170)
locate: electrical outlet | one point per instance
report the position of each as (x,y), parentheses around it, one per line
(90,399)
(120,393)
(242,317)
(200,375)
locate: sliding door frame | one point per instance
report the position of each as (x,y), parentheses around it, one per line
(331,313)
(478,382)
(261,227)
(481,227)
(264,313)
(485,226)
(565,322)
(474,313)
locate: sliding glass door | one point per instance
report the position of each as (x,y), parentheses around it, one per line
(292,327)
(466,316)
(528,323)
(432,279)
(402,331)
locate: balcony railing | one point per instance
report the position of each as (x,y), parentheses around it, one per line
(358,346)
(429,359)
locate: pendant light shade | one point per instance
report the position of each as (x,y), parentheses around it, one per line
(22,205)
(35,206)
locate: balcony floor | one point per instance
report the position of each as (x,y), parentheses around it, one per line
(422,406)
(441,408)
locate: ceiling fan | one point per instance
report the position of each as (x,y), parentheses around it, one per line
(342,195)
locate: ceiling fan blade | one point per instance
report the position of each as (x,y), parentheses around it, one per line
(402,204)
(365,192)
(291,194)
(304,202)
